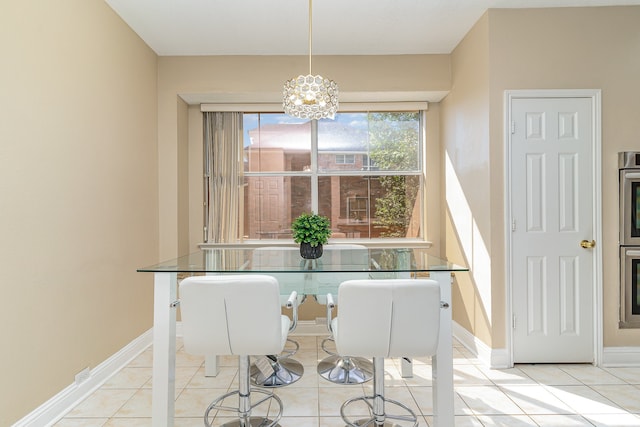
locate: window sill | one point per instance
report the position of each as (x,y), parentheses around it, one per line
(369,243)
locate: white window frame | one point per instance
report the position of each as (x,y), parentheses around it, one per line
(419,106)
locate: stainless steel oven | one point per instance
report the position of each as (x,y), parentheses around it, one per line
(629,175)
(629,169)
(630,289)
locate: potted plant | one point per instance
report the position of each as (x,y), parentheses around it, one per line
(311,231)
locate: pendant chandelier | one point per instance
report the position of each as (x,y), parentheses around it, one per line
(310,97)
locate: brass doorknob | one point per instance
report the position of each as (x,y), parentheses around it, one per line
(588,244)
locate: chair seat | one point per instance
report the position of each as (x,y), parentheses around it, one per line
(236,315)
(284,370)
(386,318)
(286,323)
(341,369)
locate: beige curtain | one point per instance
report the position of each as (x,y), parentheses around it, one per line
(223,177)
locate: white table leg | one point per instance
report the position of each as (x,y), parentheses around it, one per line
(406,367)
(211,366)
(164,349)
(442,362)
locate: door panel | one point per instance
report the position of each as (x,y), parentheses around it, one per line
(265,206)
(552,211)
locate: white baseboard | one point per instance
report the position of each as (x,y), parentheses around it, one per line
(620,356)
(55,408)
(499,358)
(493,358)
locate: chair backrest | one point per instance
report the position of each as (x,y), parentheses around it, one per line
(351,256)
(271,258)
(238,315)
(347,254)
(388,318)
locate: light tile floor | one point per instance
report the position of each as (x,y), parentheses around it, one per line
(527,395)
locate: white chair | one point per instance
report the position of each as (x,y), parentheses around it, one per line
(386,318)
(284,369)
(339,368)
(236,315)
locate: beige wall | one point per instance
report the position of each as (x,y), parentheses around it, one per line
(566,48)
(466,165)
(78,209)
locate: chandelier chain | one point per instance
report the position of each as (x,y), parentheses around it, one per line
(310,33)
(311,96)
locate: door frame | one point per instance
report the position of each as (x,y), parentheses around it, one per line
(595,96)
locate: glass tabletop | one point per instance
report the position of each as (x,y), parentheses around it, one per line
(335,259)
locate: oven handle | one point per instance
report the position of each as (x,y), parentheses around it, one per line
(632,253)
(632,175)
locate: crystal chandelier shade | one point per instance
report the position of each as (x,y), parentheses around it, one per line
(310,96)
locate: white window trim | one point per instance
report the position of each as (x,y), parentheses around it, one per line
(268,107)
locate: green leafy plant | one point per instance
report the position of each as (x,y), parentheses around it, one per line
(311,228)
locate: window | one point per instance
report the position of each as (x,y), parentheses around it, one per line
(357,209)
(362,170)
(344,159)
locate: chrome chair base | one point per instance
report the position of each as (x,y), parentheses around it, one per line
(377,405)
(345,369)
(386,420)
(252,422)
(368,423)
(285,372)
(288,351)
(247,420)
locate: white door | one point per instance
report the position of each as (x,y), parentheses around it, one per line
(552,210)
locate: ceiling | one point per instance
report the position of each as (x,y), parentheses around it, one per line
(340,27)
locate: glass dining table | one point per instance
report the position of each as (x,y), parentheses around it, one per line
(307,277)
